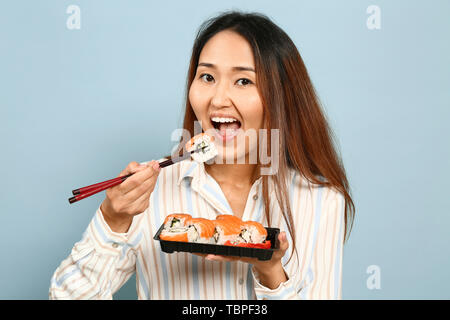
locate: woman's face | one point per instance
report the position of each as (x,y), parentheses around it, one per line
(224,95)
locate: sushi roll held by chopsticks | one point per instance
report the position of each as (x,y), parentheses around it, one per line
(205,145)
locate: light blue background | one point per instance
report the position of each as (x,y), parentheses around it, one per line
(78,105)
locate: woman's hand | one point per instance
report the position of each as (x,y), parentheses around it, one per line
(270,272)
(131,197)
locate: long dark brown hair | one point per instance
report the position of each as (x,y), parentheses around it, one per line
(290,104)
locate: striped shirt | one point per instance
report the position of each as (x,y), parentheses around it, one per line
(104,260)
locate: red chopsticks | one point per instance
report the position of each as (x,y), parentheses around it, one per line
(90,190)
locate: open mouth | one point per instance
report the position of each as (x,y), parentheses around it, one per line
(226,127)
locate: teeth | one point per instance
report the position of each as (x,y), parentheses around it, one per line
(223,120)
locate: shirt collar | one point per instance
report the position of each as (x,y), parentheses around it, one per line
(196,170)
(190,169)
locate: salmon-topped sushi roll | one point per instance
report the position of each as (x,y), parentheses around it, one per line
(174,234)
(203,145)
(228,217)
(200,230)
(176,220)
(175,228)
(253,232)
(226,230)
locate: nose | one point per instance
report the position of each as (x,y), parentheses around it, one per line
(221,97)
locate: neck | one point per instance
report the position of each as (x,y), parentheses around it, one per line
(237,174)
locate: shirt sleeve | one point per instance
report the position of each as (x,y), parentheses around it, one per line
(285,291)
(99,264)
(322,279)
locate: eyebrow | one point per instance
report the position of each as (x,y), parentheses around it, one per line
(237,68)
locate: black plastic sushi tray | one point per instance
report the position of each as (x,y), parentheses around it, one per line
(193,247)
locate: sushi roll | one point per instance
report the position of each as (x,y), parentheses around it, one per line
(226,230)
(229,217)
(252,232)
(203,143)
(176,220)
(200,230)
(175,228)
(175,234)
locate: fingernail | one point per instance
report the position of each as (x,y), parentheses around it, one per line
(156,166)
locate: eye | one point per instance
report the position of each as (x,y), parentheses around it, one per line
(206,77)
(245,81)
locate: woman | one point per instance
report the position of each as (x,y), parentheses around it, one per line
(245,75)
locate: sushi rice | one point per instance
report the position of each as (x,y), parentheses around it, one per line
(204,143)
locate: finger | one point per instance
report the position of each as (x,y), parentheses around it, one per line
(143,201)
(214,257)
(138,178)
(141,187)
(132,167)
(284,245)
(141,204)
(135,167)
(283,239)
(131,206)
(249,260)
(123,188)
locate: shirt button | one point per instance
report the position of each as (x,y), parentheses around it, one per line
(115,245)
(255,197)
(241,281)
